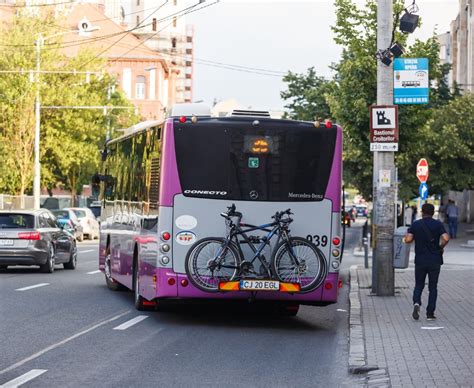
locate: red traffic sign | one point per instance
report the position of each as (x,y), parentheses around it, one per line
(422,171)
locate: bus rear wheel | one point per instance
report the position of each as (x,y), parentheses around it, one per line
(109,280)
(140,303)
(288,309)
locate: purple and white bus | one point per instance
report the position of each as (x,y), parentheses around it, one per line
(165,184)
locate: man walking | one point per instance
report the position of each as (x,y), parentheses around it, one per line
(430,239)
(452,212)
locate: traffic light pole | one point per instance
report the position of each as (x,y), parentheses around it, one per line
(383,280)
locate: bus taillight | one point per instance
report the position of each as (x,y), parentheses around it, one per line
(184,282)
(165,236)
(182,119)
(336,241)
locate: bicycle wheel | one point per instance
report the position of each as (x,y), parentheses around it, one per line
(210,261)
(312,269)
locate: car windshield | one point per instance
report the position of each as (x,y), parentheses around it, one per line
(80,213)
(61,214)
(17,221)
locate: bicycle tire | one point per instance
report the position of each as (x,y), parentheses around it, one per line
(206,281)
(315,268)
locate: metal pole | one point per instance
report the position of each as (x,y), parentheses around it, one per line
(37,165)
(384,197)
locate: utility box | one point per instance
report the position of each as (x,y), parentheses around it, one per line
(401,251)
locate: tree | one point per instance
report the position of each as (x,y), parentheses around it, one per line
(307,95)
(70,138)
(353,90)
(452,157)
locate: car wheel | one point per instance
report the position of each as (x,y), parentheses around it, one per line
(48,267)
(72,263)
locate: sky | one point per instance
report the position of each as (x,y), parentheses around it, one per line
(276,36)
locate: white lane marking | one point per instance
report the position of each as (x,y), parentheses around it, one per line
(32,374)
(432,327)
(341,310)
(131,322)
(64,341)
(93,272)
(87,251)
(33,286)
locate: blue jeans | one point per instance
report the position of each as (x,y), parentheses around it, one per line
(420,275)
(453,226)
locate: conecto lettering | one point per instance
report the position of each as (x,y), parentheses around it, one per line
(205,192)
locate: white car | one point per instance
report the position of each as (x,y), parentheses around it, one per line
(88,221)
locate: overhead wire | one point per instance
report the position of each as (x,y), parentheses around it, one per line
(38,5)
(113,44)
(190,10)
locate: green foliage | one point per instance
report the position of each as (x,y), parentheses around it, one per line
(70,138)
(307,95)
(451,158)
(354,89)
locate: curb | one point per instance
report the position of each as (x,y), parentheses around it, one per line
(357,359)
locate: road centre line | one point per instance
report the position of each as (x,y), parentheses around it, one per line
(94,272)
(64,341)
(87,251)
(33,286)
(32,374)
(131,322)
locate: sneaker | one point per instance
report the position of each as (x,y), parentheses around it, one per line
(416,311)
(430,317)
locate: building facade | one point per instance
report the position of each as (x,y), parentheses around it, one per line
(148,79)
(460,47)
(163,29)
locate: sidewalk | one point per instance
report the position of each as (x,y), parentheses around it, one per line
(401,352)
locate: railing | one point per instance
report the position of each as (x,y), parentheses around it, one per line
(23,202)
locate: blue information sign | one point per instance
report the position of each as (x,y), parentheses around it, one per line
(410,81)
(423,191)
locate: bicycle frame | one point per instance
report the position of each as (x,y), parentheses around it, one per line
(237,230)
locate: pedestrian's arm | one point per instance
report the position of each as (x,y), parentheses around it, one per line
(408,238)
(444,240)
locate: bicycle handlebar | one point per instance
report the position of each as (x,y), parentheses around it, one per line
(231,212)
(278,215)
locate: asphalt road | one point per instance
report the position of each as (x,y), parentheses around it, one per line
(71,331)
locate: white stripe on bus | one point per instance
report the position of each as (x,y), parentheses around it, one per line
(32,374)
(131,322)
(33,286)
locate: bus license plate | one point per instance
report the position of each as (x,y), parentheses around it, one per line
(259,285)
(6,242)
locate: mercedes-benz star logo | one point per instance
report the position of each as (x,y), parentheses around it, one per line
(253,194)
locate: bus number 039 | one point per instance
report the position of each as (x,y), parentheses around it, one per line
(318,240)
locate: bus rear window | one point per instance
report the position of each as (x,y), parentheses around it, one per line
(277,161)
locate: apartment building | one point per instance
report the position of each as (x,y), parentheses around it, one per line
(162,27)
(457,47)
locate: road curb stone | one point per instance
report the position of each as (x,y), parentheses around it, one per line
(375,377)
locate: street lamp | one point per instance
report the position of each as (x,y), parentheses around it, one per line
(37,165)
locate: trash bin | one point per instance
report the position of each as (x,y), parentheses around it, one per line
(401,251)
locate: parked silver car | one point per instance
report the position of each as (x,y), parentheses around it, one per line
(68,219)
(35,238)
(90,226)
